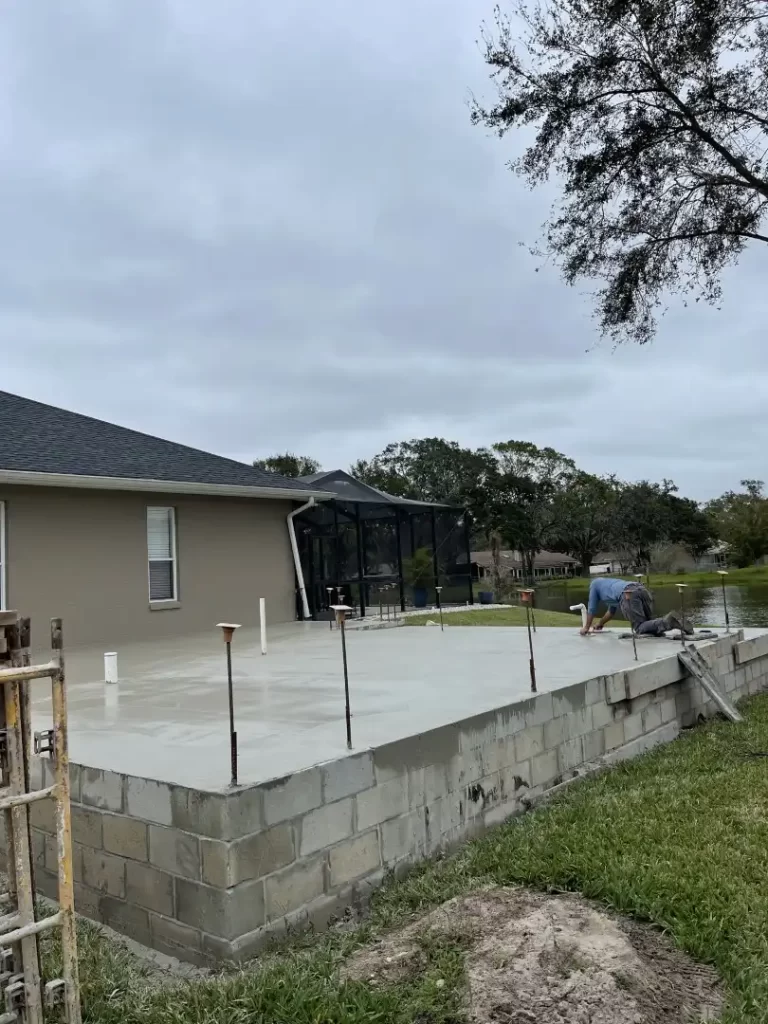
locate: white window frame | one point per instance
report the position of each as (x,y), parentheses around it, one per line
(174,557)
(3,560)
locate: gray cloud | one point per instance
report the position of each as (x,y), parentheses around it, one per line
(255,227)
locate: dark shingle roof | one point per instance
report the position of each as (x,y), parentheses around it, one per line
(38,438)
(347,488)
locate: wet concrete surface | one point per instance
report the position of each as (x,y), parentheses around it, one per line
(168,717)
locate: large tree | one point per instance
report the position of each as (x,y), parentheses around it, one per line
(427,469)
(741,520)
(288,464)
(653,117)
(584,513)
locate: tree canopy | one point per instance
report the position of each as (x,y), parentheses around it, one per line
(288,464)
(653,117)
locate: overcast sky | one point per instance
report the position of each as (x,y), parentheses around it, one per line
(253,227)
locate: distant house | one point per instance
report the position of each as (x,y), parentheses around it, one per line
(546,565)
(131,537)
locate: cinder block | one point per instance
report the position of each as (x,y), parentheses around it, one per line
(569,699)
(554,733)
(633,727)
(292,796)
(595,691)
(173,938)
(441,818)
(544,768)
(437,746)
(125,918)
(510,720)
(652,717)
(42,815)
(224,913)
(602,714)
(570,754)
(148,800)
(148,887)
(125,836)
(403,837)
(354,858)
(201,813)
(529,743)
(478,731)
(176,852)
(226,864)
(501,813)
(385,800)
(103,872)
(748,650)
(664,734)
(594,745)
(86,826)
(615,688)
(102,789)
(614,735)
(325,826)
(653,676)
(516,780)
(425,785)
(668,709)
(87,902)
(465,769)
(293,887)
(482,794)
(540,710)
(347,776)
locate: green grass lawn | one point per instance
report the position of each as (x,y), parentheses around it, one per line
(754,574)
(514,616)
(678,837)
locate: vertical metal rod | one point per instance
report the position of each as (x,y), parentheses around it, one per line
(681,591)
(64,832)
(330,613)
(634,640)
(533,613)
(347,710)
(468,547)
(439,607)
(232,733)
(722,574)
(531,664)
(381,609)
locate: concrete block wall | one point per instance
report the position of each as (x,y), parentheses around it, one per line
(211,876)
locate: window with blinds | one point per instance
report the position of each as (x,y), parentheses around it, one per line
(2,556)
(161,548)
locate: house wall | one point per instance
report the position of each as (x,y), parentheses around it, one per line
(82,555)
(214,876)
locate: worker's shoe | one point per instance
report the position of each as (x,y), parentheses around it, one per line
(672,622)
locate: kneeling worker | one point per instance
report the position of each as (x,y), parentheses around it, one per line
(635,603)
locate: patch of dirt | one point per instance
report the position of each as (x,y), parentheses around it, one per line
(537,959)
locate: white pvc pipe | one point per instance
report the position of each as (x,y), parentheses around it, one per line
(583,609)
(110,667)
(263,623)
(296,559)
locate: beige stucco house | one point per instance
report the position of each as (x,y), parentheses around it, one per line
(129,537)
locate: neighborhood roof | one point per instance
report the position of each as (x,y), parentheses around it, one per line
(511,559)
(346,488)
(38,439)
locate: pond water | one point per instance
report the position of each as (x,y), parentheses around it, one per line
(747,605)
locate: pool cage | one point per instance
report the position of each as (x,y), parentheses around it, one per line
(360,542)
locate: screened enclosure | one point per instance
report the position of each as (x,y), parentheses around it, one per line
(362,543)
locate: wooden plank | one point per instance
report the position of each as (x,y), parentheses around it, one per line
(699,669)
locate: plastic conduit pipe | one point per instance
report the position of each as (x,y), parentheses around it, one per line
(296,558)
(583,609)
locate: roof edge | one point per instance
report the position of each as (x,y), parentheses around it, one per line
(115,483)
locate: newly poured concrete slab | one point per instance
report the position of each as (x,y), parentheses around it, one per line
(167,718)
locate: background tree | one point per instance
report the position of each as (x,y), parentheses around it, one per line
(654,114)
(584,514)
(426,469)
(741,520)
(289,465)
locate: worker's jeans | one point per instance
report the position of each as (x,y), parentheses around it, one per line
(637,605)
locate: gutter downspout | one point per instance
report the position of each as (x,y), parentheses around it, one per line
(296,559)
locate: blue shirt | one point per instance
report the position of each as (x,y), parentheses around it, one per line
(605,589)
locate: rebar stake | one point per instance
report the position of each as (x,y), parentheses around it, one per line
(228,631)
(722,574)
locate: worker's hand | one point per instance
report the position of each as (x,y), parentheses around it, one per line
(597,627)
(584,631)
